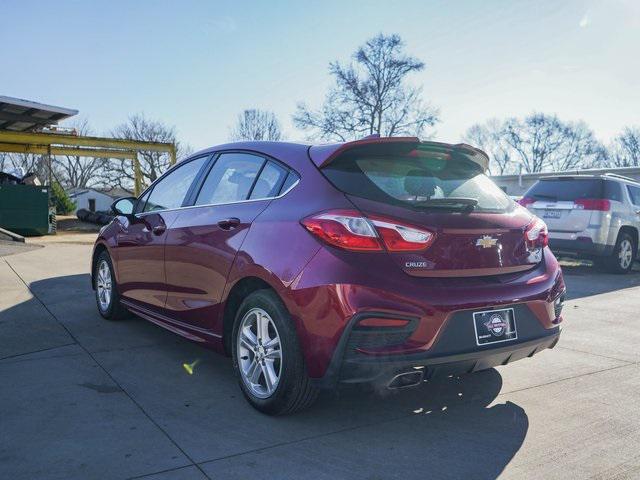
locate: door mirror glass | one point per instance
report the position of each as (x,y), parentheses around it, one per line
(124,206)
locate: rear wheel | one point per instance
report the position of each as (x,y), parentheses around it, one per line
(267,357)
(107,297)
(623,256)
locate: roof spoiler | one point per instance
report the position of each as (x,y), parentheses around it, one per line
(323,155)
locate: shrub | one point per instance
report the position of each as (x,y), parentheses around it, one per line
(64,205)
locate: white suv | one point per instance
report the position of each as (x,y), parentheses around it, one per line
(590,216)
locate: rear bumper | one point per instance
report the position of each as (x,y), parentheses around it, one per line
(580,248)
(332,295)
(454,353)
(381,372)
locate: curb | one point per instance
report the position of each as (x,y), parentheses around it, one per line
(12,236)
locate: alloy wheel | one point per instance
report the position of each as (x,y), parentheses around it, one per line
(259,353)
(626,254)
(104,286)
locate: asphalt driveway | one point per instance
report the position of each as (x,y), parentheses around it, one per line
(84,398)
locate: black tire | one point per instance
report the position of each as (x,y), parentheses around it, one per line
(615,263)
(294,391)
(114,310)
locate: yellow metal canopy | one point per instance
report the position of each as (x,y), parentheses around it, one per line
(101,147)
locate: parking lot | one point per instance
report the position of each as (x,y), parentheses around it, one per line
(85,398)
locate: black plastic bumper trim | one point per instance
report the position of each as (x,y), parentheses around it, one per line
(330,378)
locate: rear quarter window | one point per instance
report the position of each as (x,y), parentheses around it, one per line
(634,194)
(612,191)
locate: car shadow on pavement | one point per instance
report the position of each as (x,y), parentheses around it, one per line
(447,428)
(585,280)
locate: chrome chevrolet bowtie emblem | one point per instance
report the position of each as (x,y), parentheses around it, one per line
(486,241)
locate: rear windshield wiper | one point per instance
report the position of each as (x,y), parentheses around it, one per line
(456,203)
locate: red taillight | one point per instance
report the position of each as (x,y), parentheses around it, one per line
(351,230)
(599,204)
(536,234)
(399,237)
(526,201)
(345,229)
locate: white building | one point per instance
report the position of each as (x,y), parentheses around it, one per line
(90,199)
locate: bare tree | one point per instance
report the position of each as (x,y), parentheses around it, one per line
(544,142)
(120,173)
(5,162)
(370,96)
(22,164)
(624,151)
(254,124)
(74,171)
(490,137)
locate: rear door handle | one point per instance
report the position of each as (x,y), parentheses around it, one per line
(229,223)
(158,229)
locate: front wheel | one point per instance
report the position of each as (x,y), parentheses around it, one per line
(267,358)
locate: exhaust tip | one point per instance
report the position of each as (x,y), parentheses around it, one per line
(406,380)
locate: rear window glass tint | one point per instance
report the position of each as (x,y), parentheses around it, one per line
(412,181)
(566,190)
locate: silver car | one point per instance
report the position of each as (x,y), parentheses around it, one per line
(590,216)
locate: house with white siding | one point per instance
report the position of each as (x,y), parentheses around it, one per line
(91,199)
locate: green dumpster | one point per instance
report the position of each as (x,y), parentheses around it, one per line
(24,209)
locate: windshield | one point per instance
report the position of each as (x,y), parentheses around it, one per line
(426,183)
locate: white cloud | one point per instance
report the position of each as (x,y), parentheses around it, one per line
(585,21)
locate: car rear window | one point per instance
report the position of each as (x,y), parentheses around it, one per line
(572,189)
(413,181)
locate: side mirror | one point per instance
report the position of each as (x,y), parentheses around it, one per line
(124,206)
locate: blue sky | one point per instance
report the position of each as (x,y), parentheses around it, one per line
(197,64)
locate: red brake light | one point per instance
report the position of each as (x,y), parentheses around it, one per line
(599,204)
(400,237)
(351,230)
(536,234)
(346,229)
(526,201)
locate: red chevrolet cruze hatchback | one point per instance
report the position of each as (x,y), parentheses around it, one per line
(386,261)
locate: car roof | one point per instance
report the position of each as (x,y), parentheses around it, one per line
(598,176)
(292,153)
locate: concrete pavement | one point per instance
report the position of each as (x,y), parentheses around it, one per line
(85,398)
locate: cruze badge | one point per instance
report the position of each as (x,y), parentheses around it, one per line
(486,241)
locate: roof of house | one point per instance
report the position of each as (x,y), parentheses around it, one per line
(116,192)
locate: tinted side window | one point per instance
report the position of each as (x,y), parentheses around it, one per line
(634,193)
(292,178)
(612,191)
(230,179)
(170,191)
(269,181)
